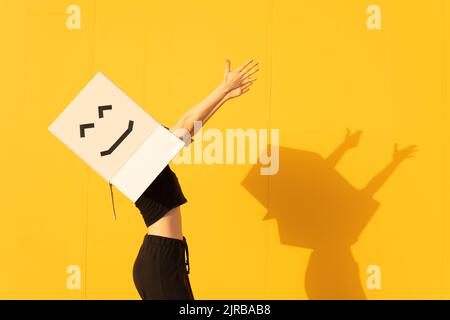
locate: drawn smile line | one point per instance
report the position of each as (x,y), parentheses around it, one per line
(119,141)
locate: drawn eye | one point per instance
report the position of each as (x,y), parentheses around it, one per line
(101,109)
(83,128)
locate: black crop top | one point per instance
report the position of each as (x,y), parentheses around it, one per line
(162,195)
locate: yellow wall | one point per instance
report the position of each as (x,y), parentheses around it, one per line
(322,71)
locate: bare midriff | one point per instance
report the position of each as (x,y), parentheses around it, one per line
(168,226)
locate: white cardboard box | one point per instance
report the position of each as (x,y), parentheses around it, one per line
(116,137)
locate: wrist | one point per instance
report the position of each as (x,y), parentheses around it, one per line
(344,146)
(223,92)
(223,89)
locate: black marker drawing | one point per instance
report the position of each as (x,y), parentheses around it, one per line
(101,110)
(119,141)
(85,126)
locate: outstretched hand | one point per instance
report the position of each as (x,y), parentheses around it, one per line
(401,154)
(352,139)
(239,81)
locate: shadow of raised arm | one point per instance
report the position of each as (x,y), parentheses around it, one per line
(397,158)
(351,141)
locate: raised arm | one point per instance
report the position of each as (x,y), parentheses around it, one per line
(397,158)
(234,84)
(351,141)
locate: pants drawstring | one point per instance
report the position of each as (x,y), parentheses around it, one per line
(186,251)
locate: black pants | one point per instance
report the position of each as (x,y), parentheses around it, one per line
(161,269)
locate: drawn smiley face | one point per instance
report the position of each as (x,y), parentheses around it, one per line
(122,137)
(105,127)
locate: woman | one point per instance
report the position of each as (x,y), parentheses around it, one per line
(162,266)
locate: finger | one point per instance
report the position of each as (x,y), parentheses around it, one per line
(248,74)
(248,68)
(248,80)
(244,65)
(227,66)
(245,90)
(411,149)
(247,85)
(358,134)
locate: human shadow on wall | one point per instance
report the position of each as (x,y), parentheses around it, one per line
(317,208)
